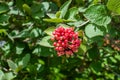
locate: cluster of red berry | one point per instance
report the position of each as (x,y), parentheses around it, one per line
(66,41)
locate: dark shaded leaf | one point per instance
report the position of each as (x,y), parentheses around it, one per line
(3,8)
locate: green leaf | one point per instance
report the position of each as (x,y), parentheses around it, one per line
(45,6)
(8,76)
(45,42)
(3,8)
(19,4)
(37,51)
(23,34)
(58,14)
(92,31)
(27,9)
(42,51)
(96,67)
(10,37)
(93,53)
(110,76)
(24,60)
(63,25)
(95,1)
(51,15)
(35,32)
(117,56)
(114,5)
(49,30)
(72,12)
(38,10)
(98,40)
(64,8)
(6,48)
(41,61)
(1,75)
(78,23)
(20,67)
(3,32)
(4,18)
(19,48)
(82,9)
(97,14)
(112,60)
(57,20)
(12,65)
(83,48)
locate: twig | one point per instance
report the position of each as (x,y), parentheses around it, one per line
(83,23)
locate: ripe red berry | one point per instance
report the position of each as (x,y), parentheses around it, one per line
(57,48)
(52,39)
(63,44)
(61,49)
(66,41)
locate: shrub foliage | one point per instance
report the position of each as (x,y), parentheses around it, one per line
(27,52)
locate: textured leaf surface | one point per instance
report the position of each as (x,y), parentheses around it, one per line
(114,5)
(45,42)
(97,14)
(3,8)
(92,31)
(49,30)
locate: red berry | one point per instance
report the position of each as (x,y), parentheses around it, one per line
(57,48)
(63,44)
(60,48)
(66,41)
(68,52)
(59,41)
(55,44)
(52,39)
(53,33)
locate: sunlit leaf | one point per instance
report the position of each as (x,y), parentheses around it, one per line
(24,60)
(27,9)
(49,30)
(92,31)
(64,8)
(8,76)
(98,14)
(45,42)
(19,48)
(57,20)
(12,65)
(72,13)
(1,75)
(114,5)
